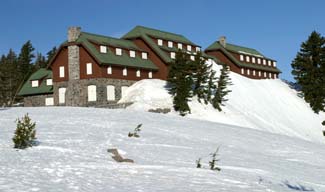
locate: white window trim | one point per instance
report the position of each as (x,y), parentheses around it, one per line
(242,71)
(103,49)
(192,57)
(275,77)
(247,59)
(118,51)
(172,55)
(61,71)
(89,68)
(248,72)
(132,53)
(241,57)
(138,73)
(144,55)
(150,75)
(264,74)
(110,89)
(254,72)
(170,44)
(274,63)
(179,45)
(90,96)
(189,48)
(123,89)
(125,71)
(258,61)
(160,42)
(269,62)
(109,70)
(197,49)
(62,92)
(49,82)
(259,73)
(253,59)
(264,62)
(49,101)
(35,83)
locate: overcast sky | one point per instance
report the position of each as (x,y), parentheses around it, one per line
(276,28)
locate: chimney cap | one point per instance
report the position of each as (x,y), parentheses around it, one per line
(73,33)
(222,40)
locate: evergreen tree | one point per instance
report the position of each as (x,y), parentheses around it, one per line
(25,60)
(221,91)
(309,71)
(200,77)
(25,133)
(50,54)
(40,61)
(180,82)
(211,85)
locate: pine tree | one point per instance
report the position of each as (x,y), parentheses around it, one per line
(211,85)
(309,71)
(25,60)
(40,61)
(221,91)
(50,54)
(180,82)
(25,133)
(200,77)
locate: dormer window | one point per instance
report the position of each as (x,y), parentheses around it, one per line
(253,59)
(144,55)
(242,57)
(198,49)
(269,63)
(274,64)
(247,59)
(103,49)
(35,83)
(264,62)
(258,61)
(189,47)
(118,51)
(132,53)
(170,44)
(160,42)
(172,55)
(180,46)
(49,82)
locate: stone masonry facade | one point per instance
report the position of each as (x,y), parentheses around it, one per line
(36,100)
(77,91)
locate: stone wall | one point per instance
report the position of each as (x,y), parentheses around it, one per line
(36,100)
(77,91)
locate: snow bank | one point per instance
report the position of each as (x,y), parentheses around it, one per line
(267,105)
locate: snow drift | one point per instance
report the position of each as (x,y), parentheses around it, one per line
(268,105)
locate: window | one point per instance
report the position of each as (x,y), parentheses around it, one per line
(49,82)
(61,71)
(180,46)
(248,72)
(242,57)
(189,47)
(160,42)
(110,93)
(150,74)
(275,76)
(118,51)
(132,53)
(242,71)
(138,73)
(247,59)
(109,70)
(192,57)
(49,101)
(92,96)
(35,83)
(264,74)
(274,63)
(103,49)
(259,73)
(170,44)
(198,49)
(254,72)
(259,61)
(144,55)
(253,59)
(270,75)
(269,62)
(89,68)
(264,62)
(62,95)
(125,72)
(123,90)
(172,55)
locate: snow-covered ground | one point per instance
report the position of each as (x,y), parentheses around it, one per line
(266,105)
(72,154)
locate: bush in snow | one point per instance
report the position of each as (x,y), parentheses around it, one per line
(135,132)
(25,133)
(198,163)
(214,160)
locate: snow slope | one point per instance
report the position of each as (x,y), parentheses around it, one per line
(267,105)
(71,155)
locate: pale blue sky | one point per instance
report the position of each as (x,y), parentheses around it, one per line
(274,27)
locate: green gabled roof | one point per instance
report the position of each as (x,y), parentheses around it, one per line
(235,48)
(42,74)
(242,64)
(146,34)
(138,31)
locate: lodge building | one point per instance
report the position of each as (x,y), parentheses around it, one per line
(96,70)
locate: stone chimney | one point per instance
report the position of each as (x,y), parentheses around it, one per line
(73,33)
(222,41)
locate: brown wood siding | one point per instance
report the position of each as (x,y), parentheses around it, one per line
(117,73)
(85,58)
(162,72)
(60,60)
